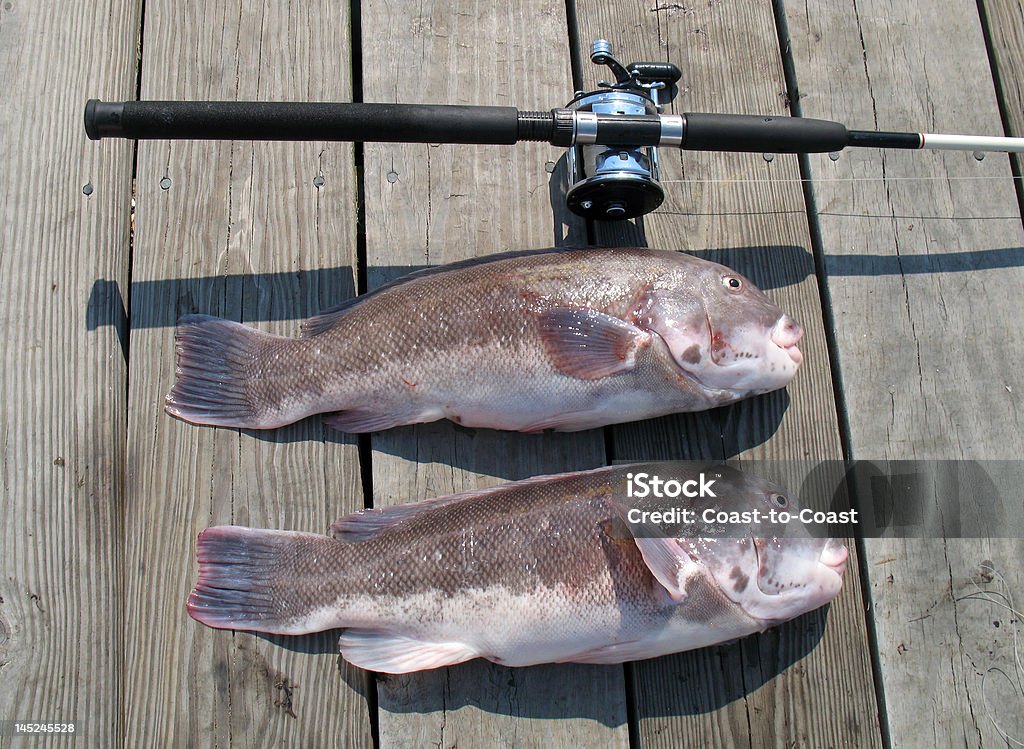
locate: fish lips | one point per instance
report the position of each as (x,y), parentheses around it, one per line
(786,334)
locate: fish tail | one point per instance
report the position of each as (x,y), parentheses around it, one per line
(215,369)
(252,579)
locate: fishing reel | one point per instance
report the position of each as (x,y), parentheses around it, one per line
(611,182)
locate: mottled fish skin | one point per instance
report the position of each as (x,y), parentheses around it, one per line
(541,570)
(568,339)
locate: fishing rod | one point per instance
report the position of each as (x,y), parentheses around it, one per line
(613,134)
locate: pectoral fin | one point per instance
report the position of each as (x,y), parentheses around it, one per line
(665,557)
(669,563)
(588,344)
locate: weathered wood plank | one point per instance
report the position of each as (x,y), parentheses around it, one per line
(916,254)
(206,212)
(64,206)
(427,205)
(808,682)
(1004,27)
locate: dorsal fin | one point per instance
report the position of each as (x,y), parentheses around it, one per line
(326,319)
(319,323)
(365,524)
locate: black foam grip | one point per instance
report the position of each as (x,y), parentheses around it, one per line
(371,123)
(737,132)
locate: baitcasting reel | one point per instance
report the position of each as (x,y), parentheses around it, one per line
(618,182)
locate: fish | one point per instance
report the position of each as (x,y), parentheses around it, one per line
(552,339)
(543,570)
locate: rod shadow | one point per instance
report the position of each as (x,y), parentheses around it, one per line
(905,265)
(296,295)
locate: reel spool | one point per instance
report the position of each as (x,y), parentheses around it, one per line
(612,182)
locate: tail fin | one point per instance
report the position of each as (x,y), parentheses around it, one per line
(214,373)
(253,579)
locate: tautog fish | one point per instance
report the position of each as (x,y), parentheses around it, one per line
(568,340)
(549,569)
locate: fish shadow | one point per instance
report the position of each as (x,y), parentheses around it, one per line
(692,683)
(699,682)
(297,295)
(323,643)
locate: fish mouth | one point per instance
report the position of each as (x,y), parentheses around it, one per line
(834,556)
(785,334)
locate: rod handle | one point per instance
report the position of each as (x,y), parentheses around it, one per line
(739,132)
(293,121)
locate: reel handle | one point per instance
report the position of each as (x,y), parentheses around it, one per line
(656,72)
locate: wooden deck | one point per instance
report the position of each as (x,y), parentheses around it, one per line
(905,269)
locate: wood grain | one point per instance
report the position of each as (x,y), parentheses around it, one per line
(1004,30)
(923,286)
(427,205)
(807,682)
(64,206)
(229,229)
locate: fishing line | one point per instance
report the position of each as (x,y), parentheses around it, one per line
(1006,602)
(837,180)
(782,180)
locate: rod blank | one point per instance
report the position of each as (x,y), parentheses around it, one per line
(971,143)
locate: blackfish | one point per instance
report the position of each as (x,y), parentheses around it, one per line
(553,339)
(547,569)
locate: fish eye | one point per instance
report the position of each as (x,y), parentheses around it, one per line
(779,500)
(733,283)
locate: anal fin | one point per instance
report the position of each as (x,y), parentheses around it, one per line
(390,653)
(357,420)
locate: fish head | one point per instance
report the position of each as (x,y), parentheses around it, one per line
(772,571)
(723,332)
